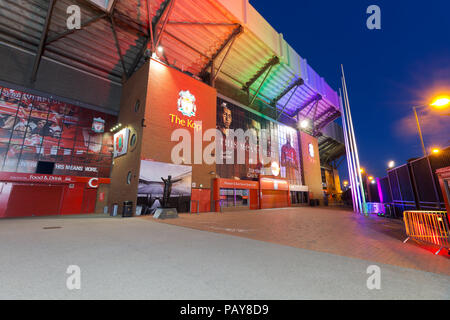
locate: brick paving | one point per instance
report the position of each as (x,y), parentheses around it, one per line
(335,231)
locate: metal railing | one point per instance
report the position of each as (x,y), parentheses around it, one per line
(429,227)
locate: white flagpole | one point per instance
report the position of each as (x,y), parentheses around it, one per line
(354,145)
(349,156)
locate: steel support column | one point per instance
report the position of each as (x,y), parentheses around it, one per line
(150,38)
(164,24)
(229,42)
(306,104)
(323,114)
(286,104)
(41,47)
(274,61)
(187,45)
(83,25)
(331,118)
(297,83)
(119,51)
(260,86)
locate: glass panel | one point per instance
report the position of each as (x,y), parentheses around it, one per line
(27,166)
(102,3)
(34,128)
(242,198)
(227,197)
(12,158)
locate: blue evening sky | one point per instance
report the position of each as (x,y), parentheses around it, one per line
(388,71)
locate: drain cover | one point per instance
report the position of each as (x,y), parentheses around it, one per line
(49,228)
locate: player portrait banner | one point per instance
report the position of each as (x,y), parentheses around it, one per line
(282,146)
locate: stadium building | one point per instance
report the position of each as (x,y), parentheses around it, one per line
(96,96)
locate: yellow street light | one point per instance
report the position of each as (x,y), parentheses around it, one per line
(441,102)
(361,170)
(435,150)
(370,178)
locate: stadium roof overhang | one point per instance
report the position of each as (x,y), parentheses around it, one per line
(227,36)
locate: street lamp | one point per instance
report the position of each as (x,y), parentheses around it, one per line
(391,164)
(435,150)
(439,103)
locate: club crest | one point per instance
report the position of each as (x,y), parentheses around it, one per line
(98,125)
(186,104)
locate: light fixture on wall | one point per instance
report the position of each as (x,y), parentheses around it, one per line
(304,124)
(116,127)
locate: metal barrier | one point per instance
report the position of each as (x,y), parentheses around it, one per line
(197,207)
(430,227)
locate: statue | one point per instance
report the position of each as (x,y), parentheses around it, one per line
(167,190)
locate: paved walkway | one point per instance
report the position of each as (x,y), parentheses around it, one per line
(333,231)
(138,258)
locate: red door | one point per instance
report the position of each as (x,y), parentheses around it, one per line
(89,200)
(274,199)
(201,200)
(34,200)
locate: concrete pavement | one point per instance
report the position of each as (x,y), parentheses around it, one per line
(140,259)
(336,231)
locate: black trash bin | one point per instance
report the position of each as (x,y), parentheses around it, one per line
(312,202)
(127,209)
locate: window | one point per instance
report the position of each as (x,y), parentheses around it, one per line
(133,140)
(104,4)
(137,106)
(234,198)
(35,128)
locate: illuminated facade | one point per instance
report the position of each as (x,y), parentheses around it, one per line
(89,113)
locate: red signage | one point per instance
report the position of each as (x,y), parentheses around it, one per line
(46,178)
(267,183)
(237,184)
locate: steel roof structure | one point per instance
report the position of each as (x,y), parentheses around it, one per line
(223,41)
(198,36)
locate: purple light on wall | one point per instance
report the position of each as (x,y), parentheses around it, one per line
(380,192)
